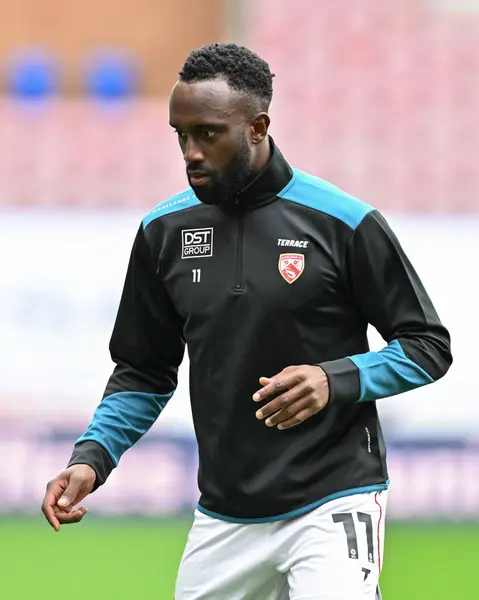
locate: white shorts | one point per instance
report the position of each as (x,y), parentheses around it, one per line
(335,552)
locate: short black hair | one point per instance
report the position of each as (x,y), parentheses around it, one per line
(240,67)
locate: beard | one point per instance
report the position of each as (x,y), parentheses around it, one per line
(223,185)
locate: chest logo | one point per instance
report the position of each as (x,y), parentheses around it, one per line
(291,266)
(197,243)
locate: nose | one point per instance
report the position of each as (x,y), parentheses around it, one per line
(192,153)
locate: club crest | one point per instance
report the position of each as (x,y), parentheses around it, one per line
(291,266)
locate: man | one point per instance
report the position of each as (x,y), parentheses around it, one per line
(270,276)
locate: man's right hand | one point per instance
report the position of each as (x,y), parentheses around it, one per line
(66,491)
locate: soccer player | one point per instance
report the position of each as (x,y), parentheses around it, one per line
(270,276)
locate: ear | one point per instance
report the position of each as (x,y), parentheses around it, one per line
(260,125)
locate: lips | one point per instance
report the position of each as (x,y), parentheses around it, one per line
(198,177)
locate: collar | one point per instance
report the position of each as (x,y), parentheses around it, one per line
(266,185)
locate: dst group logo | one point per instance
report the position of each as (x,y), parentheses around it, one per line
(197,243)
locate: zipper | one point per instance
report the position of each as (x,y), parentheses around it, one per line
(239,257)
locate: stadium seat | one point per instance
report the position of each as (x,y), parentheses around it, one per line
(111,76)
(32,75)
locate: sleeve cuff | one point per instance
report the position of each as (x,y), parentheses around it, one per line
(343,381)
(93,454)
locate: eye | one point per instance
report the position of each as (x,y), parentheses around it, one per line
(181,135)
(208,134)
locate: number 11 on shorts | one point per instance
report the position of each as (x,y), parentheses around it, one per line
(347,520)
(196,275)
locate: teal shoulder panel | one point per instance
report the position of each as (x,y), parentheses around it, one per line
(325,197)
(186,199)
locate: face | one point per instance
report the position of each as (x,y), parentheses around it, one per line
(217,136)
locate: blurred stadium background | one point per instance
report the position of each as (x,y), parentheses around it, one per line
(382,98)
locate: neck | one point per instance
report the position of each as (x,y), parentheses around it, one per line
(262,155)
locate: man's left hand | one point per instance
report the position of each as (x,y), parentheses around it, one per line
(304,392)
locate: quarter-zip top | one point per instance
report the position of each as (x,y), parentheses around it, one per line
(315,266)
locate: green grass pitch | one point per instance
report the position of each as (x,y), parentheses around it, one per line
(121,559)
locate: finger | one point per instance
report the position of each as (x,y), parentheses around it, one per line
(48,506)
(75,516)
(50,516)
(60,512)
(279,403)
(265,380)
(279,382)
(70,496)
(303,415)
(290,411)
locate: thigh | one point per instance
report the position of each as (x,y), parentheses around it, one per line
(338,551)
(227,561)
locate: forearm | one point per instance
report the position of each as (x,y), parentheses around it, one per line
(122,419)
(119,422)
(93,454)
(403,365)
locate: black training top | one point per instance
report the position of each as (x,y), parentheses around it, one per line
(291,274)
